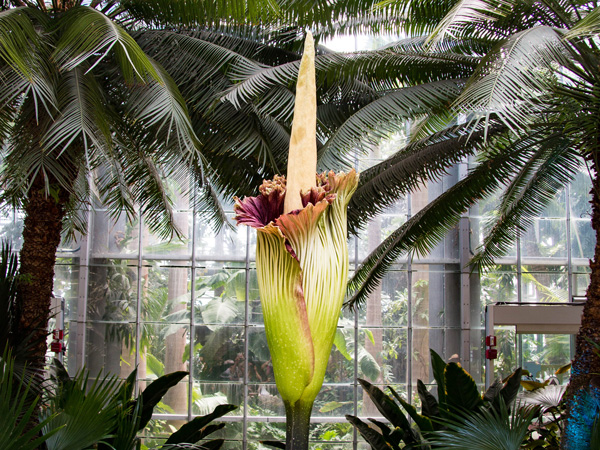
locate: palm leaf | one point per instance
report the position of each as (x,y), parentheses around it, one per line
(192,13)
(385,115)
(85,412)
(486,430)
(89,34)
(558,166)
(161,107)
(82,114)
(426,228)
(588,26)
(466,13)
(510,80)
(385,183)
(18,410)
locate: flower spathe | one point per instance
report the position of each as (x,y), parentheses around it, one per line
(302,267)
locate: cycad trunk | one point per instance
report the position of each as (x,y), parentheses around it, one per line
(586,363)
(41,237)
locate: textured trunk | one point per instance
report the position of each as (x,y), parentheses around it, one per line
(41,237)
(586,363)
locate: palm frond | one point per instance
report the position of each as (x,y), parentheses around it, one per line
(19,40)
(384,116)
(89,36)
(429,226)
(82,116)
(419,17)
(513,78)
(85,412)
(525,198)
(588,26)
(161,107)
(192,13)
(17,410)
(208,205)
(468,12)
(28,55)
(189,54)
(488,430)
(383,184)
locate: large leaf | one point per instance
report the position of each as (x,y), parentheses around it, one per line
(221,310)
(85,412)
(17,408)
(88,34)
(192,431)
(429,404)
(486,430)
(438,366)
(375,439)
(424,423)
(386,406)
(462,393)
(511,388)
(155,392)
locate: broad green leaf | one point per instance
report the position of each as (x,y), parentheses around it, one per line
(340,343)
(439,373)
(462,393)
(423,422)
(191,432)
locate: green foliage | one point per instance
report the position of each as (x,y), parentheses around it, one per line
(521,97)
(16,410)
(488,429)
(460,404)
(81,413)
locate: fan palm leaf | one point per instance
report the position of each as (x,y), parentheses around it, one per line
(488,430)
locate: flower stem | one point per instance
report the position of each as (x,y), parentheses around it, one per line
(297,425)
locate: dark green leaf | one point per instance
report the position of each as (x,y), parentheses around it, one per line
(375,440)
(155,392)
(462,393)
(191,432)
(511,387)
(429,404)
(385,405)
(438,366)
(424,423)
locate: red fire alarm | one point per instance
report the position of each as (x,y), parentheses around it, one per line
(491,353)
(490,341)
(56,346)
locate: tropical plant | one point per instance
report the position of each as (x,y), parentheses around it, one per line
(82,413)
(489,429)
(301,259)
(524,106)
(457,396)
(81,101)
(17,408)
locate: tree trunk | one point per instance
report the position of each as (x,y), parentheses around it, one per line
(586,363)
(41,238)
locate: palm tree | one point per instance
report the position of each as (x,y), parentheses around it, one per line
(85,110)
(527,107)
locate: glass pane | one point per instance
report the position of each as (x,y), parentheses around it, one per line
(544,286)
(110,349)
(545,239)
(112,291)
(113,238)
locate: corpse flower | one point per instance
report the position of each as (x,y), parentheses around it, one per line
(301,260)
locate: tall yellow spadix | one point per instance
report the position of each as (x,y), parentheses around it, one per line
(302,159)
